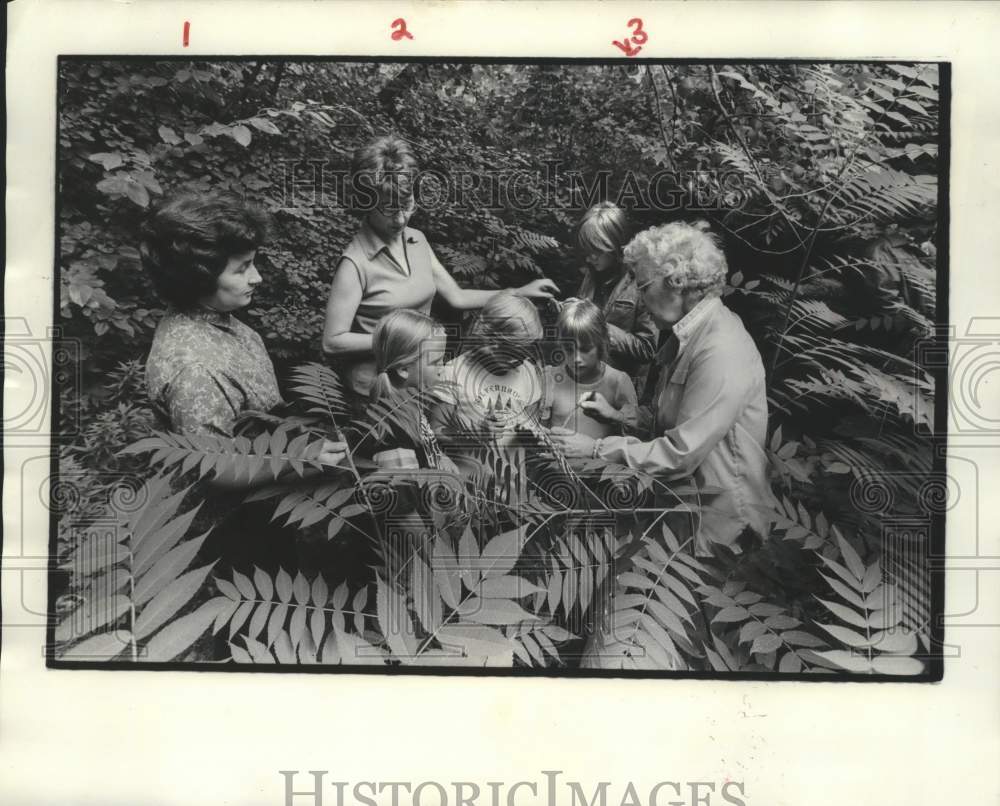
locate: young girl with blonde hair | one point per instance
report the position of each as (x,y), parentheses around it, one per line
(408,348)
(583,334)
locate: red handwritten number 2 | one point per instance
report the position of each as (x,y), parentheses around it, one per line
(400,23)
(638,38)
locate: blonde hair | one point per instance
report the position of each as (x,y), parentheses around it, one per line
(689,259)
(584,322)
(507,319)
(396,343)
(603,228)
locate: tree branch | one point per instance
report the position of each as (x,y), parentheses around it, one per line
(659,117)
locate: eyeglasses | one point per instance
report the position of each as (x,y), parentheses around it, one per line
(640,287)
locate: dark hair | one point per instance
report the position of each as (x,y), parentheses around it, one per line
(382,170)
(189,238)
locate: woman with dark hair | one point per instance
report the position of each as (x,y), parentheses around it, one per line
(206,367)
(388,265)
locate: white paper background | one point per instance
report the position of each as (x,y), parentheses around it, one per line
(150,738)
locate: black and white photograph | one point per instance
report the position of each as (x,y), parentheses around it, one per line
(510,367)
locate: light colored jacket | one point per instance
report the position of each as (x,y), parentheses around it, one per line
(710,408)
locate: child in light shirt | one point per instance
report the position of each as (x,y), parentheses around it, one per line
(583,330)
(494,385)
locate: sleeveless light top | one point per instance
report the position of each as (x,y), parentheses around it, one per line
(385,286)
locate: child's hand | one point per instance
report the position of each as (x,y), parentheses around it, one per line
(544,289)
(596,406)
(332,453)
(572,443)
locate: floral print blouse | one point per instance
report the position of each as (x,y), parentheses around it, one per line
(205,368)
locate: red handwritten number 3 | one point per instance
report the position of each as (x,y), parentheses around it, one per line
(639,37)
(401,24)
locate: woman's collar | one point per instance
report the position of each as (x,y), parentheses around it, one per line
(692,321)
(373,243)
(205,314)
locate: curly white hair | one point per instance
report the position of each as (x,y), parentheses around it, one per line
(686,256)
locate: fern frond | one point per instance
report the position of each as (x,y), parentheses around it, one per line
(322,388)
(136,578)
(236,456)
(799,524)
(815,316)
(766,631)
(462,264)
(651,624)
(293,617)
(865,620)
(533,241)
(884,194)
(535,646)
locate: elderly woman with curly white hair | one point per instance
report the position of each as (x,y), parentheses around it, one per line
(709,403)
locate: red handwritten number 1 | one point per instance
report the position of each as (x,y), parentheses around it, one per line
(402,32)
(638,38)
(187,30)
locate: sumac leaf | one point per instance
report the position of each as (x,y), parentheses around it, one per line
(167,602)
(180,634)
(728,614)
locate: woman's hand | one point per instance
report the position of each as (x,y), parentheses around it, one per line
(332,453)
(538,289)
(572,443)
(596,405)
